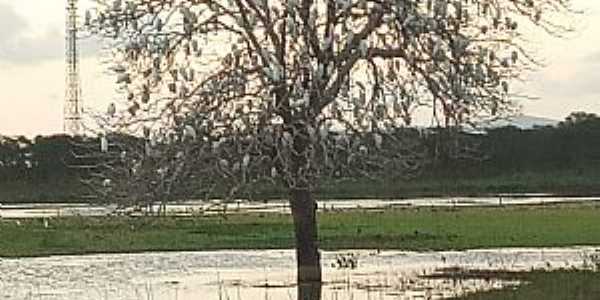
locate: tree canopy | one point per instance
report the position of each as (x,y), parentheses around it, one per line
(290,90)
(264,84)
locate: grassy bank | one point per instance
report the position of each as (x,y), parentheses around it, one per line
(409,229)
(572,183)
(560,285)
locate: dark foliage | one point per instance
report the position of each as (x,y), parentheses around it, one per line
(572,145)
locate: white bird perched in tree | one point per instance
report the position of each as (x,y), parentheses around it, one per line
(349,38)
(251,20)
(286,139)
(320,71)
(103,144)
(153,140)
(88,18)
(378,140)
(312,134)
(437,50)
(302,102)
(123,78)
(515,56)
(117,5)
(106,182)
(330,69)
(363,48)
(136,166)
(148,148)
(291,24)
(274,72)
(246,161)
(161,172)
(306,99)
(224,164)
(324,132)
(326,43)
(217,144)
(111,110)
(189,132)
(273,172)
(344,4)
(363,150)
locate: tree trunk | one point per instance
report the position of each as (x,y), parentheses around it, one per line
(308,257)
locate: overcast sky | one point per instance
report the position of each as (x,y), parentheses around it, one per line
(32,68)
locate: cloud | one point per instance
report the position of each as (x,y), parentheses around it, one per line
(11,24)
(583,83)
(24,49)
(20,47)
(569,76)
(593,58)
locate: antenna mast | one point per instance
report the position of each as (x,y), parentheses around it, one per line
(73,103)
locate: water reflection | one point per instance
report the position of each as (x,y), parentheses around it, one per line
(309,291)
(241,275)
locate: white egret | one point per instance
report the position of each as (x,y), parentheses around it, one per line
(378,140)
(123,78)
(224,164)
(363,150)
(111,110)
(273,172)
(246,161)
(189,132)
(106,183)
(103,144)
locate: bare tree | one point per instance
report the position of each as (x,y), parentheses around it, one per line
(234,91)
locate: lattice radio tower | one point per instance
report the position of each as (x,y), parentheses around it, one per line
(73,108)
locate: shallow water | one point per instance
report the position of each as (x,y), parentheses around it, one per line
(198,207)
(245,274)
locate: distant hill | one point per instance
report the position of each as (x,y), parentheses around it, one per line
(523,122)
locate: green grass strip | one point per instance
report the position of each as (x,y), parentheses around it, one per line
(406,229)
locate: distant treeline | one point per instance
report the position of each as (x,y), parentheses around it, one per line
(43,159)
(571,145)
(44,167)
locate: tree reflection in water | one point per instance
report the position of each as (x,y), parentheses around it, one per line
(309,290)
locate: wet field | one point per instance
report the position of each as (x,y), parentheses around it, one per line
(199,207)
(269,274)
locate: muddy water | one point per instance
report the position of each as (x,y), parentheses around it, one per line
(277,206)
(263,274)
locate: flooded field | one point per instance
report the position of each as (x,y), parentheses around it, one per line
(269,274)
(199,207)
